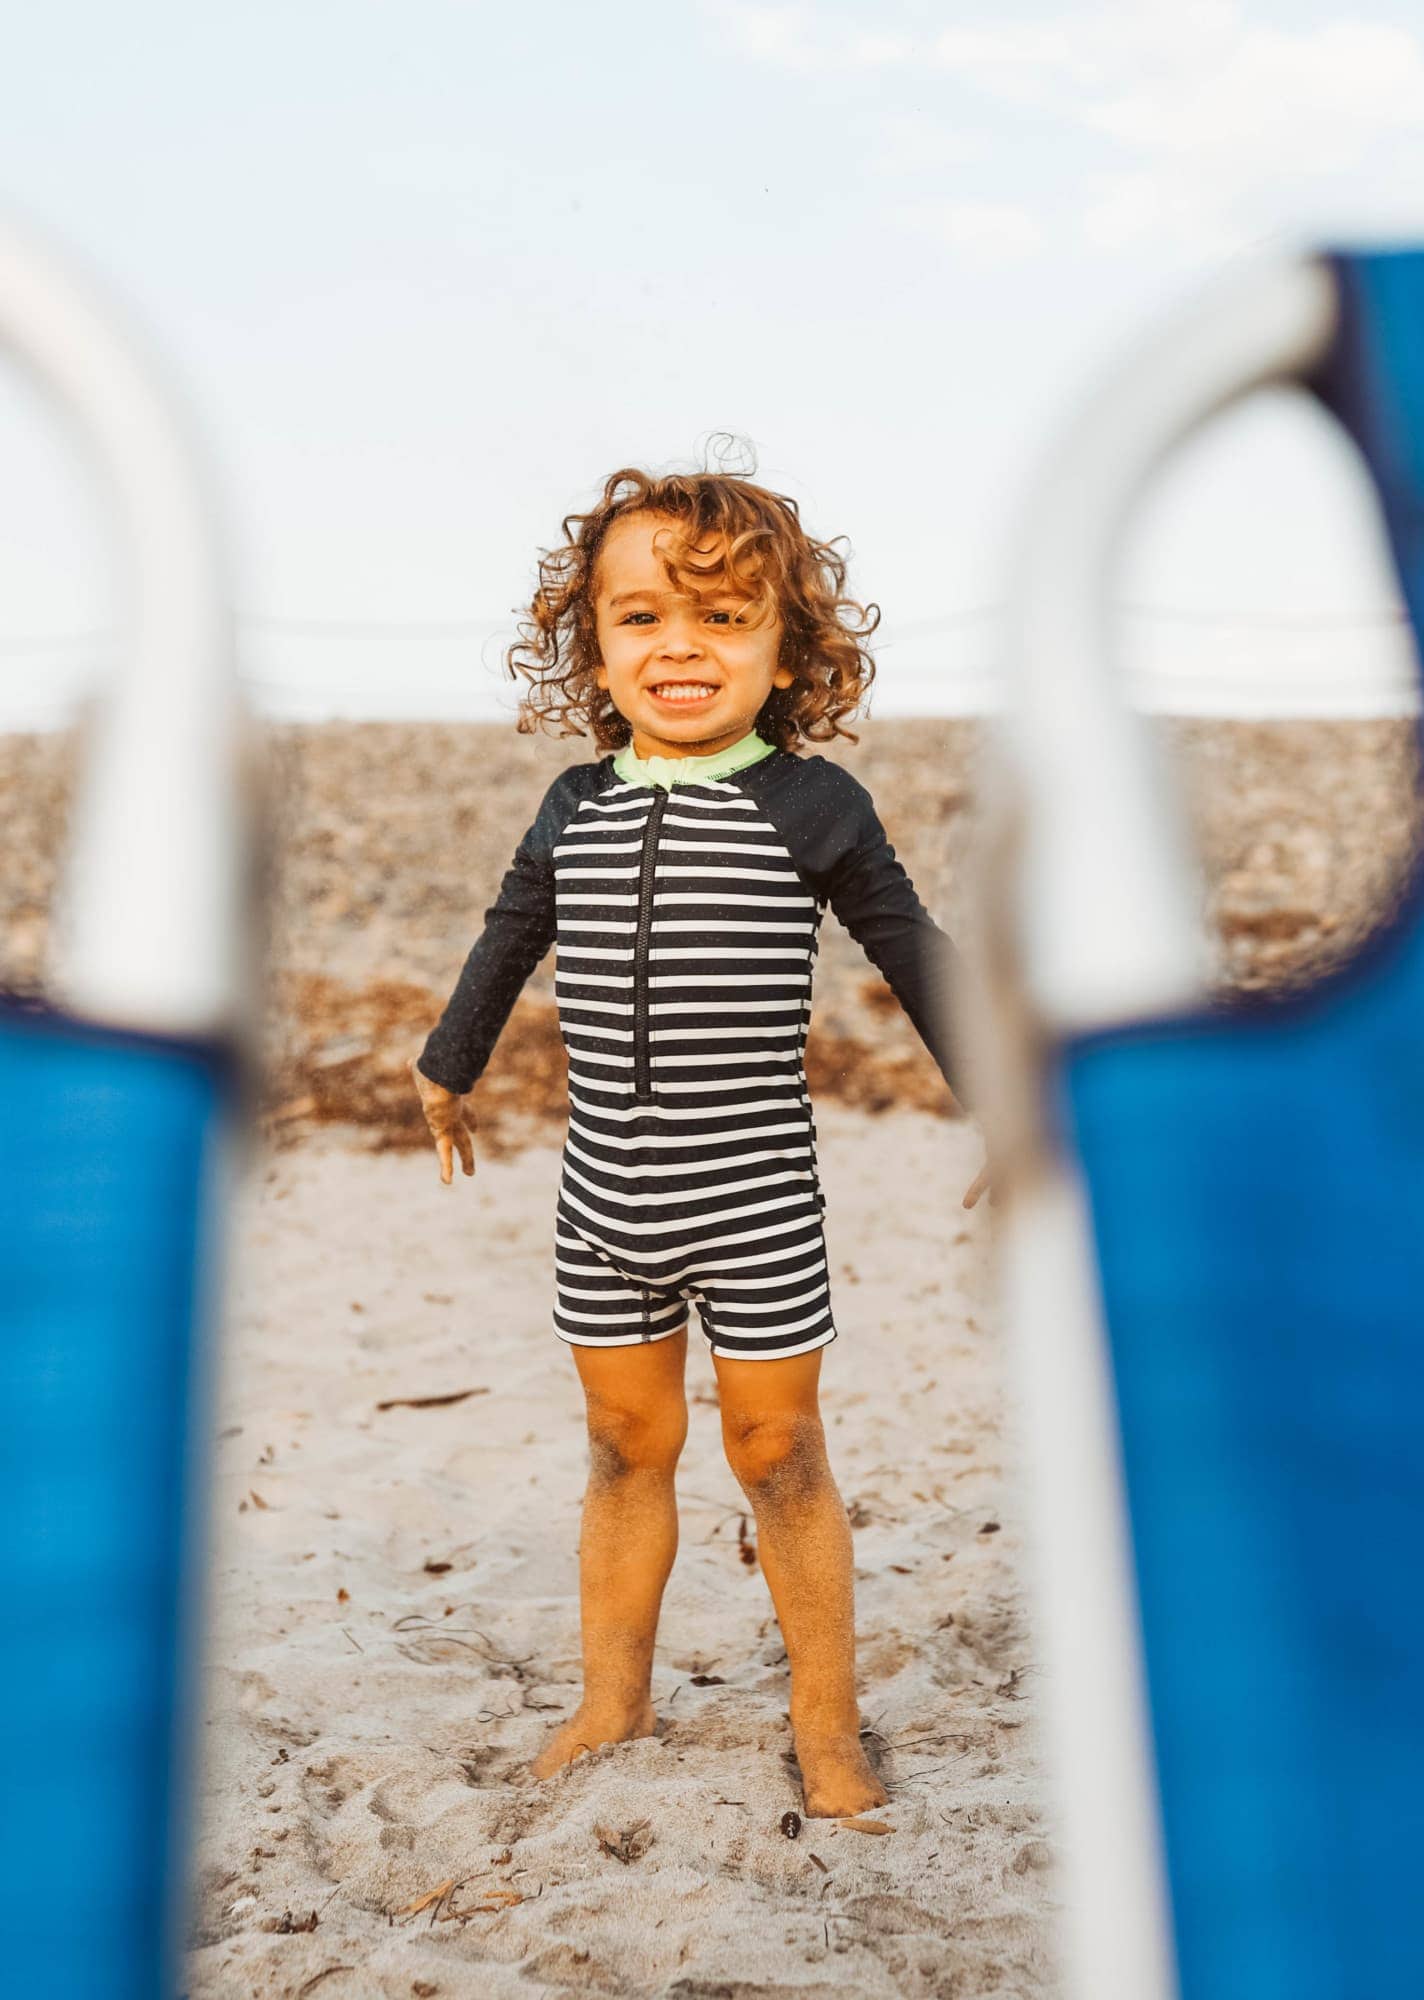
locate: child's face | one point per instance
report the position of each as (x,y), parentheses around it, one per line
(676,663)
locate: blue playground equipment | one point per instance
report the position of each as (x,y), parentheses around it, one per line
(1215,1268)
(120,1104)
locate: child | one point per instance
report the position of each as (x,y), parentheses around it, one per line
(692,625)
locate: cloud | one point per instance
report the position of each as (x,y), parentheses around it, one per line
(1323,91)
(1224,125)
(799,38)
(1273,129)
(911,144)
(1120,211)
(991,232)
(1018,65)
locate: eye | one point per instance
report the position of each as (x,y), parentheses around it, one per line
(636,617)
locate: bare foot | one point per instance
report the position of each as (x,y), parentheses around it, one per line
(587,1729)
(836,1776)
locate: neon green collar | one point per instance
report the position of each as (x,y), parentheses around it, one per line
(670,771)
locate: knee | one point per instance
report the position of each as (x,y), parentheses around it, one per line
(780,1456)
(623,1438)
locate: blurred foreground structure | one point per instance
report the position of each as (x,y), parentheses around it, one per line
(119,1100)
(1213,1259)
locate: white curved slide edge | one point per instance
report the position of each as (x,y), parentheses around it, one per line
(150,929)
(1107,917)
(1098,902)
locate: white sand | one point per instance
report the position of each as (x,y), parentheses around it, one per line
(369,1723)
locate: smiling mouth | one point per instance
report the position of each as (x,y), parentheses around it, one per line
(683,691)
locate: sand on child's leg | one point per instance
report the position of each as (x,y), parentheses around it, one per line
(776,1446)
(637,1423)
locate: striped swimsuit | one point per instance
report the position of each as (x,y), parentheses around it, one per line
(686,925)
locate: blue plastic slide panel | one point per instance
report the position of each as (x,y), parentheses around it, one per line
(1256,1183)
(1258,1202)
(1373,380)
(109,1146)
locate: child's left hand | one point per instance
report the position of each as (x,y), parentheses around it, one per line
(447,1116)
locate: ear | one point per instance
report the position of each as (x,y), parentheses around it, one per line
(601,676)
(783,678)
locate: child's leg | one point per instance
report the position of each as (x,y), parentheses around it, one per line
(637,1421)
(771,1427)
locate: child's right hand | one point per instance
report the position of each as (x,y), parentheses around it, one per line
(449,1121)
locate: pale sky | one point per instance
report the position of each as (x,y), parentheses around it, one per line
(429,271)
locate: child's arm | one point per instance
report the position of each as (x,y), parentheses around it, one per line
(875,899)
(518,930)
(840,848)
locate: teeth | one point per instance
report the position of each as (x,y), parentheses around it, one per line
(683,690)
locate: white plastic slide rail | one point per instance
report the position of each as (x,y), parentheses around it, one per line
(1090,916)
(150,930)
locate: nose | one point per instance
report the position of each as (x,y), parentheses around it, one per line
(681,635)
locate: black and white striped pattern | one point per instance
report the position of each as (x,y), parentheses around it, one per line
(686,941)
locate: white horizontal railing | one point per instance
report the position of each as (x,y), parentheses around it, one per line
(1174,660)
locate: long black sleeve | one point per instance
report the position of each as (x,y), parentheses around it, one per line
(830,824)
(518,930)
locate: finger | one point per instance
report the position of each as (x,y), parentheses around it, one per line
(444,1149)
(466,1145)
(976,1187)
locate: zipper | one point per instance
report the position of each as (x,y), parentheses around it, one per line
(642,1054)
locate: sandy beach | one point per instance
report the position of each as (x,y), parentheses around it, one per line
(398,1449)
(395,1620)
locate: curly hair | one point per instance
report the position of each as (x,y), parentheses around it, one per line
(729,531)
